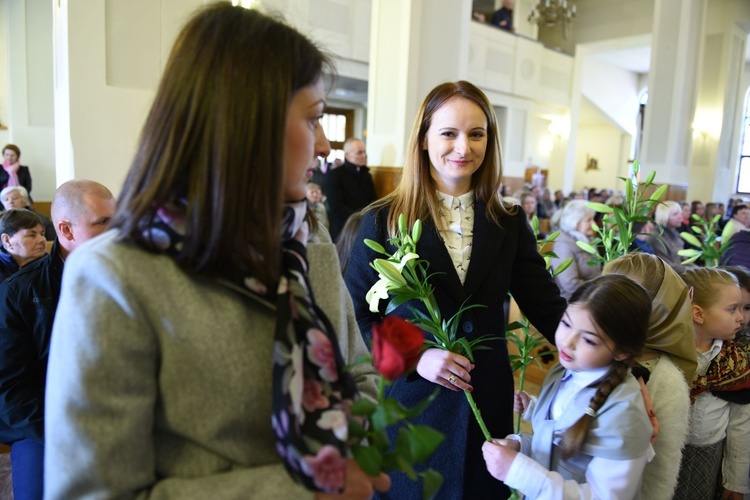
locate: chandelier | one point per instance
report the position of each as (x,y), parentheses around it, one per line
(551,12)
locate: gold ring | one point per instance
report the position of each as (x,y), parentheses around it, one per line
(452,378)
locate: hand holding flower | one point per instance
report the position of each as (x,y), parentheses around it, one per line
(499,455)
(358,484)
(521,401)
(446,368)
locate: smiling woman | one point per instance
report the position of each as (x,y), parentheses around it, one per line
(478,250)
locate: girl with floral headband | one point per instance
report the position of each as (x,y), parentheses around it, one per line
(591,430)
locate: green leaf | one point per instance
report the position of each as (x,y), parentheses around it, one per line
(368,458)
(375,246)
(688,252)
(514,326)
(363,406)
(650,177)
(562,266)
(599,207)
(431,483)
(690,239)
(423,441)
(586,247)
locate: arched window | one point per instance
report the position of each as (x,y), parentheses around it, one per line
(743,175)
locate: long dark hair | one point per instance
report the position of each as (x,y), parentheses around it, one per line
(621,308)
(214,140)
(415,196)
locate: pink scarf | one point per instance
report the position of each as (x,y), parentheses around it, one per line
(12,169)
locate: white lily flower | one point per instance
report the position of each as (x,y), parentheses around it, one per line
(390,278)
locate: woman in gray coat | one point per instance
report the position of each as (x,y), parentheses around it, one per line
(199,347)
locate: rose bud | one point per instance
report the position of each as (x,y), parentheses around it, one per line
(396,345)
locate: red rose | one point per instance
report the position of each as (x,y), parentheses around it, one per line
(396,345)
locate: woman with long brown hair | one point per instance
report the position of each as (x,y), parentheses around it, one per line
(196,346)
(479,249)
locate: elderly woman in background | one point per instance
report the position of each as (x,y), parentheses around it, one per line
(22,236)
(668,215)
(18,197)
(575,225)
(13,174)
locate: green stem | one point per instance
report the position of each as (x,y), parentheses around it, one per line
(478,416)
(521,378)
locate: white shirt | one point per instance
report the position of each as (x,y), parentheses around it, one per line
(457,216)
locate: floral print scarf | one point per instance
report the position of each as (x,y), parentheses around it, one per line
(311,391)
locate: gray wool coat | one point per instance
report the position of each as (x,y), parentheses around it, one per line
(159,382)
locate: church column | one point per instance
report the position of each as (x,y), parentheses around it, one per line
(415,45)
(673,88)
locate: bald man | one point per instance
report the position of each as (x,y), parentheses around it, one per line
(348,188)
(81,210)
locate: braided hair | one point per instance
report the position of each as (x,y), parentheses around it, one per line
(621,308)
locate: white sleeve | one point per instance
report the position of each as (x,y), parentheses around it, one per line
(605,479)
(736,466)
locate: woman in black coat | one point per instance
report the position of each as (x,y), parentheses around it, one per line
(478,249)
(12,168)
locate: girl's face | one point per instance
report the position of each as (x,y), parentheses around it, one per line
(305,139)
(700,209)
(723,319)
(26,245)
(10,156)
(580,342)
(675,218)
(456,143)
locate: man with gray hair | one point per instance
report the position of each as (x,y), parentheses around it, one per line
(348,188)
(81,210)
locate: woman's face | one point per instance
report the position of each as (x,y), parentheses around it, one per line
(10,156)
(26,245)
(13,199)
(529,206)
(456,143)
(675,218)
(305,139)
(700,209)
(584,226)
(686,212)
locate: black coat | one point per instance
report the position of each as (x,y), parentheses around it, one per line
(347,190)
(503,259)
(28,302)
(24,178)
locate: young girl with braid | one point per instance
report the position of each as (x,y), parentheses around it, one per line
(591,429)
(715,460)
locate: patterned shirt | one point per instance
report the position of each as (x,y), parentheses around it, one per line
(457,217)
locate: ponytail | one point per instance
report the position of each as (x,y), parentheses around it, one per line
(574,438)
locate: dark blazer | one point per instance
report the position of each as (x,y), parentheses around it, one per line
(347,190)
(24,178)
(503,259)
